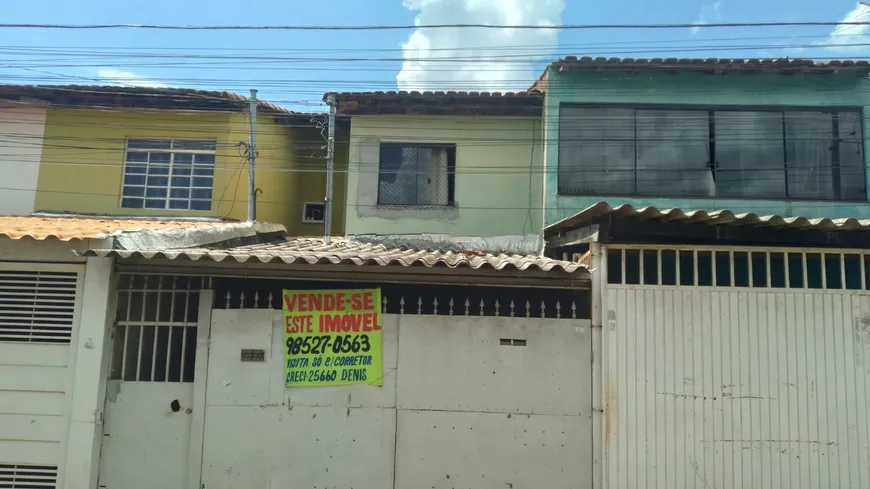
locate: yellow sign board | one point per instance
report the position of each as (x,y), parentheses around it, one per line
(332,337)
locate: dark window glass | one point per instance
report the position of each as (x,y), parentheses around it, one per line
(673,154)
(809,139)
(852,175)
(802,155)
(596,151)
(749,154)
(416,175)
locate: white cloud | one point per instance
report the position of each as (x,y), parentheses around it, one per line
(843,35)
(126,78)
(503,69)
(709,14)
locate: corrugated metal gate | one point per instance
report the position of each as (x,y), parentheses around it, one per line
(729,367)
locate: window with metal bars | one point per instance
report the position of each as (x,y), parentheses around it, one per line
(168,174)
(155,331)
(416,174)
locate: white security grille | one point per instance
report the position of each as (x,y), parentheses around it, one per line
(155,330)
(28,476)
(704,266)
(37,304)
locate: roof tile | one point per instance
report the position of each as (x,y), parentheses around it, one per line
(341,251)
(66,228)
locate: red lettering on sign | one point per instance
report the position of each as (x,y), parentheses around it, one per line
(330,323)
(297,324)
(351,322)
(315,302)
(328,302)
(368,301)
(339,302)
(290,302)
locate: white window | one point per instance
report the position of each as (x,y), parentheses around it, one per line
(168,174)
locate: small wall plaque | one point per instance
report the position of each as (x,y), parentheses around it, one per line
(251,355)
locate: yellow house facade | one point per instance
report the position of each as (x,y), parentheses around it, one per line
(147,152)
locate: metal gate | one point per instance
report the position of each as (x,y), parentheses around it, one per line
(150,394)
(734,367)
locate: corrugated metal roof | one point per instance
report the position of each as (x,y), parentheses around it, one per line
(66,228)
(750,65)
(341,251)
(602,211)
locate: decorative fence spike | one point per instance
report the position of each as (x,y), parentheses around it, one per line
(450,304)
(512,308)
(481,307)
(497,306)
(242,300)
(384,310)
(467,307)
(528,309)
(227,306)
(270,300)
(419,305)
(573,310)
(401,304)
(558,310)
(257,299)
(435,306)
(543,310)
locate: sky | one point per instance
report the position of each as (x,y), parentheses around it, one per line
(295,68)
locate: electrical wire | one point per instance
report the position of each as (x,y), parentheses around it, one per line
(545,27)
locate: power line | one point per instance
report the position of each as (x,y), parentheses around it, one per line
(415,27)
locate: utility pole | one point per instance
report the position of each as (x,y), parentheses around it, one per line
(330,168)
(252,156)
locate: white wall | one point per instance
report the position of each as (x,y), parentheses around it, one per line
(34,393)
(456,409)
(21,139)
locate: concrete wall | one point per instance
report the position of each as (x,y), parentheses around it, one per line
(456,408)
(497,189)
(84,175)
(21,142)
(701,90)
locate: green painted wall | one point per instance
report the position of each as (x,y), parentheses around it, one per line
(698,89)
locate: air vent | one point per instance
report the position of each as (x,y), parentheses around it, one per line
(28,476)
(37,306)
(512,342)
(313,212)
